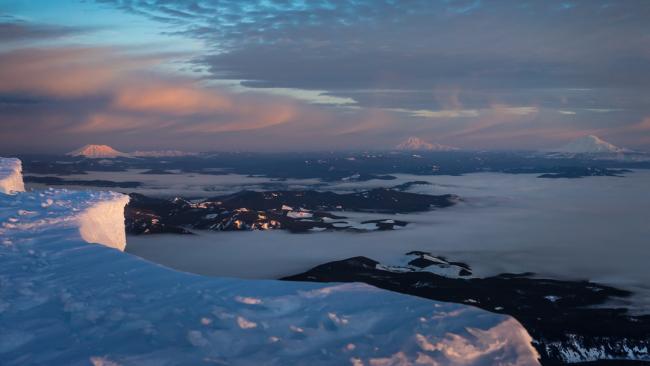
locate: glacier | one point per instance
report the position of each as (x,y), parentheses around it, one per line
(69,295)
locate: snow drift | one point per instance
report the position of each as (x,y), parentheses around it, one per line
(64,302)
(94,217)
(11,178)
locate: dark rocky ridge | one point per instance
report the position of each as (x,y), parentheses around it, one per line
(560,315)
(341,166)
(296,211)
(375,200)
(56,181)
(585,172)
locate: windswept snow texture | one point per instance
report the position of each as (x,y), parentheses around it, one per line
(11,179)
(66,302)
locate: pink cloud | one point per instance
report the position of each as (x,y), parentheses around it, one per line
(66,72)
(109,95)
(171,99)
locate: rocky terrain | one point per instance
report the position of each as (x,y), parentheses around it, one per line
(296,211)
(568,320)
(349,166)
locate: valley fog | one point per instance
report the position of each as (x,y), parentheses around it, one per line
(594,228)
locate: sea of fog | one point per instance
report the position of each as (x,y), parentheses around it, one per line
(595,228)
(190,185)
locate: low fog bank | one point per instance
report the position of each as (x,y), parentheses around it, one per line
(593,228)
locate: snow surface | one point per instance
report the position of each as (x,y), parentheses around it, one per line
(97,217)
(11,178)
(439,267)
(65,302)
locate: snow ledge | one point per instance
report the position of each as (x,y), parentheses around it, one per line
(64,302)
(11,178)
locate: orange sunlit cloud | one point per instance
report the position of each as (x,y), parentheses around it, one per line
(171,99)
(106,93)
(65,72)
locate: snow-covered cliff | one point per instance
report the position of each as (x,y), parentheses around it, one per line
(11,178)
(65,302)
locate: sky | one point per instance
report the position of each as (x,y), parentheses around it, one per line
(283,75)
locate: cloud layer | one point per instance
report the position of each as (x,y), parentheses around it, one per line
(506,74)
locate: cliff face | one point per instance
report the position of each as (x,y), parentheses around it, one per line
(103,222)
(11,178)
(64,302)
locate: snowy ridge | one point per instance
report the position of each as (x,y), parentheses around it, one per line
(107,152)
(93,217)
(64,302)
(417,144)
(96,152)
(589,145)
(11,178)
(160,153)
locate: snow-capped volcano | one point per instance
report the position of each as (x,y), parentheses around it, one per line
(589,145)
(417,144)
(97,151)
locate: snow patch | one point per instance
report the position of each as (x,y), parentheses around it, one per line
(248,300)
(299,214)
(245,323)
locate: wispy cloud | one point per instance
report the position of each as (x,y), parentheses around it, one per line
(323,74)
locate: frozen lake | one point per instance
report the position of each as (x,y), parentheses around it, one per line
(595,228)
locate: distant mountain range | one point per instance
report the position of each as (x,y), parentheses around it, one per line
(590,145)
(417,144)
(107,152)
(160,153)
